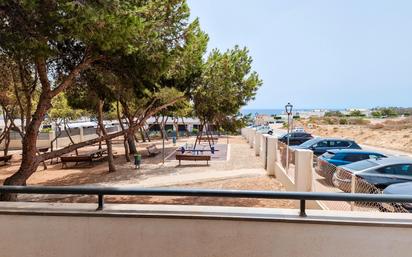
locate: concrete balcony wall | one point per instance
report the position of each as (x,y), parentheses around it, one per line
(183,231)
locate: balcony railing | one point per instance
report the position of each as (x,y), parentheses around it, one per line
(100,192)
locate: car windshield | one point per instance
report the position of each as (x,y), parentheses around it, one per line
(328,155)
(310,143)
(362,165)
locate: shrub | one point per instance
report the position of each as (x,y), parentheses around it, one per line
(358,121)
(343,121)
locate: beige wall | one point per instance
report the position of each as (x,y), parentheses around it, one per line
(280,233)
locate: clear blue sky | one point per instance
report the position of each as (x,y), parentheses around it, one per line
(319,53)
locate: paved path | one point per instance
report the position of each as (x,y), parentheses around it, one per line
(191,178)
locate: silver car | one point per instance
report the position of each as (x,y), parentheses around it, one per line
(380,172)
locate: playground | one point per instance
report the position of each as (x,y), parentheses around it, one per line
(232,166)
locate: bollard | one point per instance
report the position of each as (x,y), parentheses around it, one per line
(137,160)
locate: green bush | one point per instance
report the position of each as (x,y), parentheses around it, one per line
(46,130)
(343,121)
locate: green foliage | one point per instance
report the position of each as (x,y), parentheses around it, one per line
(62,110)
(227,84)
(333,114)
(343,121)
(388,112)
(376,114)
(356,113)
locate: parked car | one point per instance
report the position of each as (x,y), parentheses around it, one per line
(299,129)
(264,130)
(400,189)
(380,172)
(339,157)
(319,146)
(295,138)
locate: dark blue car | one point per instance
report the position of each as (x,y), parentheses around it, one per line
(320,146)
(340,157)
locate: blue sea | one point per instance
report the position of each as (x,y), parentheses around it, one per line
(276,111)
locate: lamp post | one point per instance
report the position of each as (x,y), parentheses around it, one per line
(288,109)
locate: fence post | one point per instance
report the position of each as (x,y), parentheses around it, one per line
(257,143)
(303,170)
(352,190)
(272,145)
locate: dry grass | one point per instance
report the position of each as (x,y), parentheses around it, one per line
(391,133)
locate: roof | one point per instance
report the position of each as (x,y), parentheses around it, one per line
(393,160)
(399,188)
(375,163)
(335,151)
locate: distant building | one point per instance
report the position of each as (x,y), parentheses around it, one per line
(264,119)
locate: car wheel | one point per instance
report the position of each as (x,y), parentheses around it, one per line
(270,132)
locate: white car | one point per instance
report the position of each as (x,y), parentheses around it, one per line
(264,130)
(299,130)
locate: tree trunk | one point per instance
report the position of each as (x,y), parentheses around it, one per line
(142,135)
(125,142)
(30,161)
(176,125)
(69,134)
(132,143)
(110,160)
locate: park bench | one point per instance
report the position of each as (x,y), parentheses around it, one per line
(153,150)
(6,158)
(43,149)
(89,157)
(76,159)
(193,157)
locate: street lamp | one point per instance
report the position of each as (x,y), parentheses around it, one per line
(288,109)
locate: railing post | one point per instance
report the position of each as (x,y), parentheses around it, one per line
(302,212)
(100,199)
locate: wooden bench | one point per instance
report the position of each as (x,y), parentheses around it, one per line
(191,157)
(153,150)
(43,149)
(6,158)
(76,159)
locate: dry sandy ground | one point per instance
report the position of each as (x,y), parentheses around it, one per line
(243,170)
(399,139)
